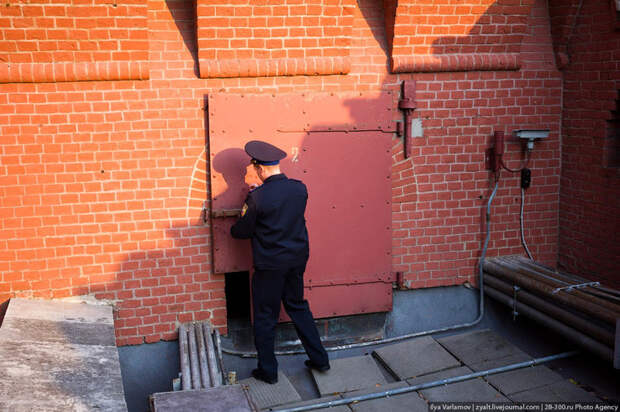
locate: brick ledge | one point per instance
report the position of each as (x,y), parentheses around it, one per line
(313,66)
(455,62)
(72,71)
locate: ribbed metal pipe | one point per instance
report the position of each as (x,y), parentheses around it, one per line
(552,281)
(193,358)
(577,337)
(541,270)
(534,284)
(186,377)
(202,355)
(211,356)
(201,363)
(218,352)
(584,325)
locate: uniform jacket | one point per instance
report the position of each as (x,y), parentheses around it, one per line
(274,220)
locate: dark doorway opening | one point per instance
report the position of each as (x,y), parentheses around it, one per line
(237,289)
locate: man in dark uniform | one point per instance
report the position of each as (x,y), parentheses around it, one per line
(273,217)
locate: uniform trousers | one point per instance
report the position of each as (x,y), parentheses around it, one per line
(269,288)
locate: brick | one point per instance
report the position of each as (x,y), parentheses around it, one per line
(114,227)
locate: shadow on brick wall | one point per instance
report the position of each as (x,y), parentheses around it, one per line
(3,307)
(185,20)
(170,284)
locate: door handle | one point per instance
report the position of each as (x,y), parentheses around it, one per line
(226,213)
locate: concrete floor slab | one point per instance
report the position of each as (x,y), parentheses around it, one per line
(445,374)
(349,374)
(339,408)
(475,390)
(377,388)
(265,395)
(523,379)
(406,402)
(496,363)
(518,380)
(479,346)
(563,391)
(230,398)
(415,357)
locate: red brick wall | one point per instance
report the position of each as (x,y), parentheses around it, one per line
(440,192)
(457,35)
(590,196)
(562,14)
(62,40)
(274,38)
(102,183)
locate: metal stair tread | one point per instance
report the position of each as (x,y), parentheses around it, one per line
(265,395)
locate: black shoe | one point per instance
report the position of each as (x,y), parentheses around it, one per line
(320,368)
(262,376)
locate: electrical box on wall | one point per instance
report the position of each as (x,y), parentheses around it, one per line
(530,135)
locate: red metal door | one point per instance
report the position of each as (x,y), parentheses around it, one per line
(340,147)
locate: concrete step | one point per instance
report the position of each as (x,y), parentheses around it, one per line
(59,356)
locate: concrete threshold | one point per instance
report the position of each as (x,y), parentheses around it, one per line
(333,331)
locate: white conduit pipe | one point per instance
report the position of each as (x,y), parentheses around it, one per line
(522,230)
